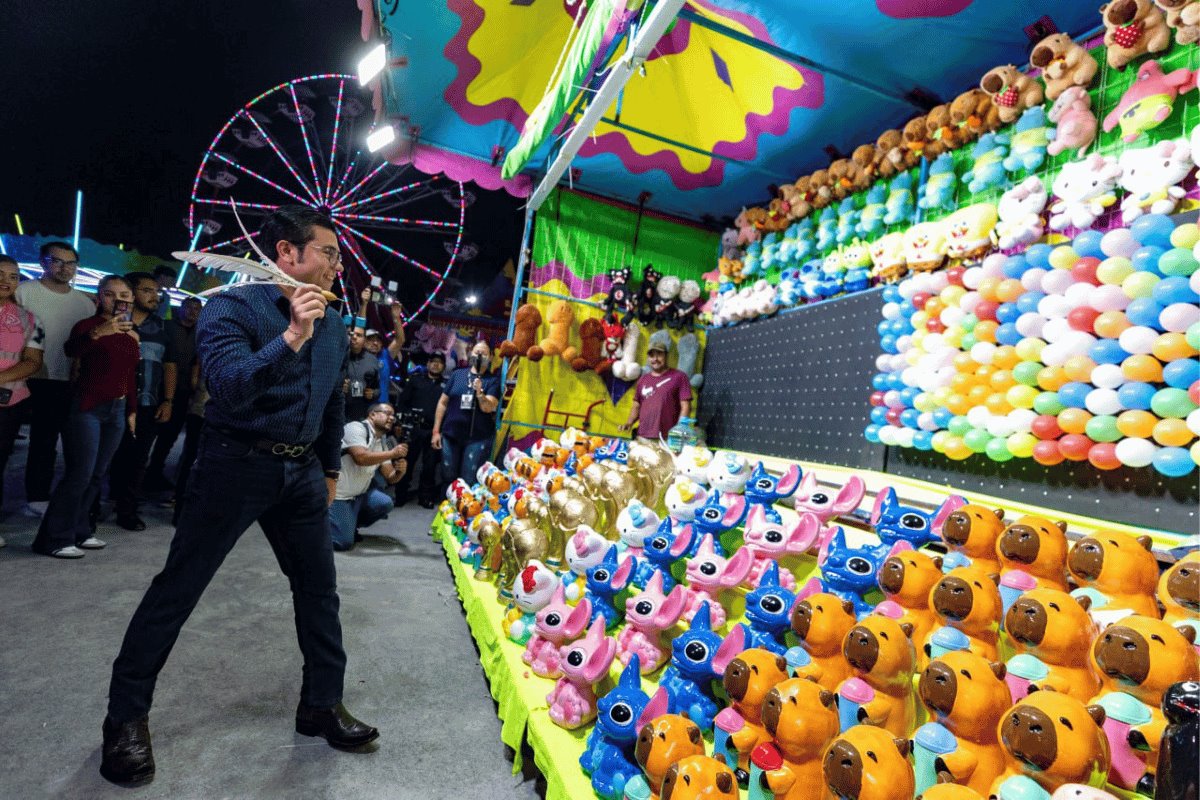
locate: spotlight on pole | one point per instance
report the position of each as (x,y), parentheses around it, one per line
(380,138)
(372,64)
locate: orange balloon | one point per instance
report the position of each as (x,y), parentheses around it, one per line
(1002,380)
(1051,378)
(984,372)
(961,383)
(964,363)
(934,307)
(987,288)
(1009,290)
(958,404)
(1005,357)
(1136,423)
(1172,433)
(1110,324)
(956,449)
(1079,368)
(979,395)
(1142,368)
(985,330)
(998,405)
(1073,420)
(1171,347)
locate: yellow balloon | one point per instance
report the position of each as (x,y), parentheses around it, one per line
(1021,444)
(1030,349)
(1021,396)
(1063,257)
(913,356)
(923,402)
(919,320)
(953,336)
(941,394)
(1195,451)
(1185,235)
(951,295)
(918,337)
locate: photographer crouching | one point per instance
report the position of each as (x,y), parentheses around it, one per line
(464,427)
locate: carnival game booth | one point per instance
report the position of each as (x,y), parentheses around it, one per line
(944,541)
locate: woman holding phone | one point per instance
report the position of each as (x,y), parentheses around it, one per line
(464,425)
(104,400)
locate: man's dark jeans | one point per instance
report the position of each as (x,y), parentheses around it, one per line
(421,453)
(231,486)
(129,464)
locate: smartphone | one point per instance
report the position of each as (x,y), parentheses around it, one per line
(123,310)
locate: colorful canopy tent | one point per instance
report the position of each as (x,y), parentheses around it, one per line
(737,95)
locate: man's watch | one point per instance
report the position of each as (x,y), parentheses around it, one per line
(332,474)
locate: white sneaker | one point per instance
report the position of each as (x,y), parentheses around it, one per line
(92,543)
(36,508)
(70,551)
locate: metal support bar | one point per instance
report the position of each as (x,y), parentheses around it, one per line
(557,296)
(652,30)
(690,148)
(788,55)
(522,262)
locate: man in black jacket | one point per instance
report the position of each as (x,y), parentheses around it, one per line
(420,397)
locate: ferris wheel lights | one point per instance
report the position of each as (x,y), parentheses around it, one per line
(372,63)
(380,138)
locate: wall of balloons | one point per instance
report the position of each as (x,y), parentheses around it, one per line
(1084,351)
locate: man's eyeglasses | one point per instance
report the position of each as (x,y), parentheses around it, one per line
(332,254)
(51,261)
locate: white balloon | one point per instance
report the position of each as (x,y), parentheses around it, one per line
(938,281)
(891,399)
(945,375)
(907,290)
(887,435)
(1193,421)
(972,277)
(952,315)
(891,311)
(1107,376)
(904,437)
(926,422)
(898,362)
(933,342)
(1022,419)
(1000,426)
(1103,402)
(1138,340)
(1055,329)
(1134,452)
(1032,279)
(969,302)
(983,352)
(1031,325)
(911,376)
(904,343)
(1077,294)
(993,265)
(1053,355)
(978,416)
(1054,305)
(1076,343)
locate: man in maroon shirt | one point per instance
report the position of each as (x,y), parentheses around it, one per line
(661,396)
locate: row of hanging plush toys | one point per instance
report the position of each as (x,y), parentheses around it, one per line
(975,667)
(807,232)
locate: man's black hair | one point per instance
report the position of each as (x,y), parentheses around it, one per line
(7,259)
(439,356)
(292,224)
(45,249)
(163,269)
(107,279)
(135,279)
(378,407)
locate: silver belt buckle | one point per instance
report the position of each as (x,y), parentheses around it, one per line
(288,450)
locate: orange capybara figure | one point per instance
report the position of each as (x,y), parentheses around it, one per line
(969,599)
(1142,657)
(663,739)
(973,530)
(906,579)
(868,763)
(949,791)
(1037,547)
(821,622)
(1056,628)
(802,719)
(1119,567)
(591,338)
(525,329)
(880,651)
(1053,739)
(1179,591)
(700,778)
(747,681)
(968,695)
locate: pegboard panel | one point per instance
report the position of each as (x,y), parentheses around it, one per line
(1139,497)
(795,385)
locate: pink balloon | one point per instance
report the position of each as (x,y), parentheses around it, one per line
(1119,242)
(993,265)
(970,301)
(1032,279)
(1056,281)
(1108,298)
(1178,317)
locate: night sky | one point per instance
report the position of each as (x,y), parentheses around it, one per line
(120,99)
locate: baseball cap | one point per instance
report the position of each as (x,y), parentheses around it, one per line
(372,332)
(439,356)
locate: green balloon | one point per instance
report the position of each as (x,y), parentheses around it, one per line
(1103,429)
(968,341)
(1193,335)
(959,426)
(969,322)
(1048,403)
(997,450)
(977,440)
(1177,261)
(1172,403)
(1026,372)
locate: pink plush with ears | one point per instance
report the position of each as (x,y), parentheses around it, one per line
(730,648)
(647,615)
(813,498)
(556,624)
(769,542)
(573,701)
(709,573)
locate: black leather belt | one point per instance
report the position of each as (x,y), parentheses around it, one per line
(269,446)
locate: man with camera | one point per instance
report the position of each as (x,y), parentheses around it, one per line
(464,427)
(357,502)
(362,376)
(419,398)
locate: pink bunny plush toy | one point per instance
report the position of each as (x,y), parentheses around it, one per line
(647,615)
(583,662)
(709,573)
(769,541)
(556,625)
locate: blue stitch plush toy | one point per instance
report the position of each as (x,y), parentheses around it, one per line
(789,287)
(805,240)
(764,489)
(894,522)
(770,252)
(987,171)
(604,582)
(810,279)
(698,657)
(752,262)
(939,186)
(870,222)
(848,216)
(608,757)
(900,206)
(827,229)
(768,610)
(661,551)
(1030,137)
(849,572)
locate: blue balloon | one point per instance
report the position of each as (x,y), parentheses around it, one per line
(879,382)
(1145,259)
(923,440)
(1107,351)
(906,310)
(1028,302)
(883,327)
(1181,373)
(1175,289)
(888,343)
(1008,334)
(1144,311)
(1008,312)
(909,394)
(871,433)
(1039,256)
(942,416)
(895,381)
(1015,266)
(1087,244)
(1153,229)
(1136,395)
(908,417)
(1074,394)
(891,294)
(879,415)
(1174,462)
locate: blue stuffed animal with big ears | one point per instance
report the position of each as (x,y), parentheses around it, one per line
(870,222)
(786,255)
(661,551)
(716,517)
(604,582)
(789,287)
(987,170)
(698,657)
(894,522)
(827,229)
(848,217)
(940,184)
(764,489)
(806,239)
(768,612)
(752,261)
(900,205)
(608,757)
(770,251)
(1031,136)
(810,279)
(850,572)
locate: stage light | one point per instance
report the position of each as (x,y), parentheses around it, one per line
(380,138)
(472,299)
(372,64)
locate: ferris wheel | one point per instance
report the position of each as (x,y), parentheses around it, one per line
(400,231)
